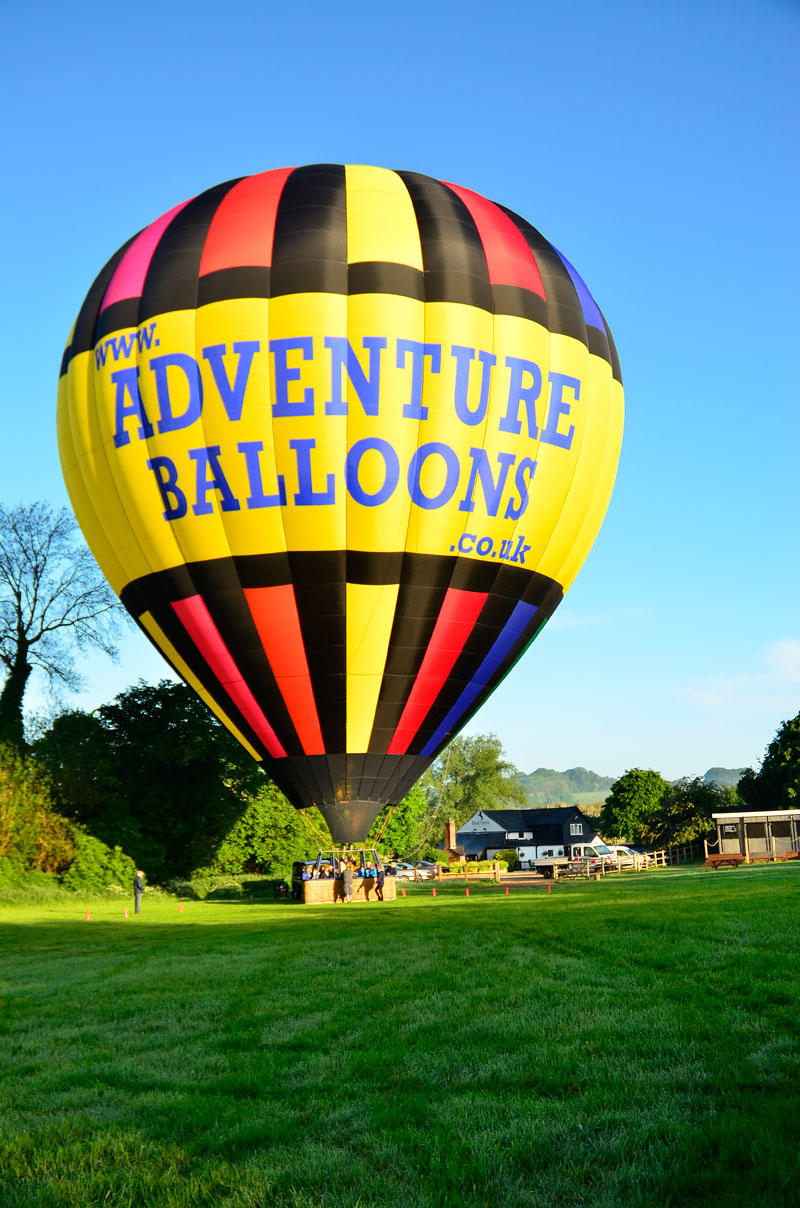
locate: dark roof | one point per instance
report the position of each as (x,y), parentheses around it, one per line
(521,820)
(473,844)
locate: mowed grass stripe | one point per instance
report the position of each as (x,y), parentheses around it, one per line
(628,1042)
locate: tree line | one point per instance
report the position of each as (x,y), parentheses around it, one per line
(644,808)
(155,774)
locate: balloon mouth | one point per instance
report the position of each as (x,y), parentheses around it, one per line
(349,821)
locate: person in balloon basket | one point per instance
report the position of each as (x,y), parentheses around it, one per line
(138,890)
(347,881)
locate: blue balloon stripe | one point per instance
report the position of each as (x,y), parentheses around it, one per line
(491,666)
(591,311)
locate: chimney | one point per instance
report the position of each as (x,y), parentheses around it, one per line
(450,836)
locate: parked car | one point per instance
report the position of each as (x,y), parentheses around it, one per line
(426,869)
(646,852)
(419,870)
(623,854)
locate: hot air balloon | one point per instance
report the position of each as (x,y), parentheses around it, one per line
(340,438)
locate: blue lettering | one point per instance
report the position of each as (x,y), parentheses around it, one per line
(464,358)
(208,459)
(558,407)
(431,449)
(306,495)
(414,408)
(391,474)
(232,396)
(466,543)
(492,491)
(126,383)
(523,486)
(283,408)
(170,422)
(172,496)
(122,346)
(367,388)
(257,499)
(520,393)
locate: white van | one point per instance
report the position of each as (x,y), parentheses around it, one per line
(543,858)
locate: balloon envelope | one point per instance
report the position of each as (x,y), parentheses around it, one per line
(340,438)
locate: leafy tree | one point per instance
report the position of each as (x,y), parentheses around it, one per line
(96,867)
(469,775)
(155,772)
(684,813)
(776,785)
(79,755)
(634,799)
(269,836)
(749,790)
(402,828)
(53,601)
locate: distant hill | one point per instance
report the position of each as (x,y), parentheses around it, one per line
(576,786)
(579,786)
(727,777)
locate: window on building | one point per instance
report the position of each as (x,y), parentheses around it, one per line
(576,828)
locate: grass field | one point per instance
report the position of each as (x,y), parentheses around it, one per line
(630,1042)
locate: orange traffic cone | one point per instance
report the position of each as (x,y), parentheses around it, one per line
(88,917)
(466,892)
(126,913)
(403,892)
(180,906)
(548,888)
(433,892)
(506,891)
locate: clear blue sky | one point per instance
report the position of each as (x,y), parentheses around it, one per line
(651,143)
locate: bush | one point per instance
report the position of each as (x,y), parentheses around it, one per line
(224,890)
(183,889)
(20,886)
(31,832)
(483,865)
(210,887)
(508,858)
(97,867)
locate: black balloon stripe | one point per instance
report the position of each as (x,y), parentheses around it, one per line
(310,247)
(174,269)
(453,259)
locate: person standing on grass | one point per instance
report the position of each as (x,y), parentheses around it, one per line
(380,879)
(138,890)
(347,882)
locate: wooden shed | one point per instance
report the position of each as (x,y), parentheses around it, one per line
(770,834)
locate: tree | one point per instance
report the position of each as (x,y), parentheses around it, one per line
(154,772)
(53,600)
(684,813)
(776,785)
(634,799)
(469,775)
(269,836)
(401,828)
